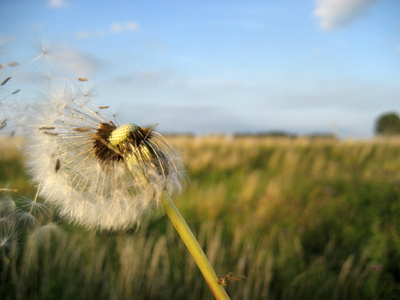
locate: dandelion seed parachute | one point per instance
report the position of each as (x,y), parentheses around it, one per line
(97,174)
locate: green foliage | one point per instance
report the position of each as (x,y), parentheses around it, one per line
(388,124)
(299,218)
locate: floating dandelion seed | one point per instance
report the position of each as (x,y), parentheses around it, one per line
(3,124)
(98,174)
(13,64)
(7,234)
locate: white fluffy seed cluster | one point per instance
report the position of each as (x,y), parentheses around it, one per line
(95,193)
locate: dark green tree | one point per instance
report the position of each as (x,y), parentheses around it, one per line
(388,124)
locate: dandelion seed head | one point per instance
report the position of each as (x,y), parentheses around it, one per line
(96,173)
(26,220)
(7,234)
(8,221)
(29,206)
(7,206)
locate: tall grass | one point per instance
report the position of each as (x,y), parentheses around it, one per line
(299,218)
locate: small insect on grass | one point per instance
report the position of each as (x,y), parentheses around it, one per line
(227,279)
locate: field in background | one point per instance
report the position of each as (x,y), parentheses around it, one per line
(299,218)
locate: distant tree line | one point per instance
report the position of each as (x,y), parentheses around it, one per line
(285,134)
(388,124)
(265,134)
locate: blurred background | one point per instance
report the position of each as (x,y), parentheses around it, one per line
(274,107)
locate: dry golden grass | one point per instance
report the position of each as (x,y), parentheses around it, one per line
(10,148)
(299,218)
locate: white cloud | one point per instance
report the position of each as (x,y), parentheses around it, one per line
(117,27)
(123,27)
(334,14)
(79,63)
(57,3)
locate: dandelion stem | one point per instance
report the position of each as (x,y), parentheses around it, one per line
(193,247)
(37,192)
(36,197)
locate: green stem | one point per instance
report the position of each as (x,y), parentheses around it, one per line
(193,247)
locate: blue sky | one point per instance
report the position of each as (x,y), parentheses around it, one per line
(217,66)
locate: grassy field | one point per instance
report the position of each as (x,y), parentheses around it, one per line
(290,218)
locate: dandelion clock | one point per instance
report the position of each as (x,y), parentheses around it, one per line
(103,175)
(98,174)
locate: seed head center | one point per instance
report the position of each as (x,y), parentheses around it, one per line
(121,134)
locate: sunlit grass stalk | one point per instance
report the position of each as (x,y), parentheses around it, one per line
(194,248)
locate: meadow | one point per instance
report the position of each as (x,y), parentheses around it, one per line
(286,218)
